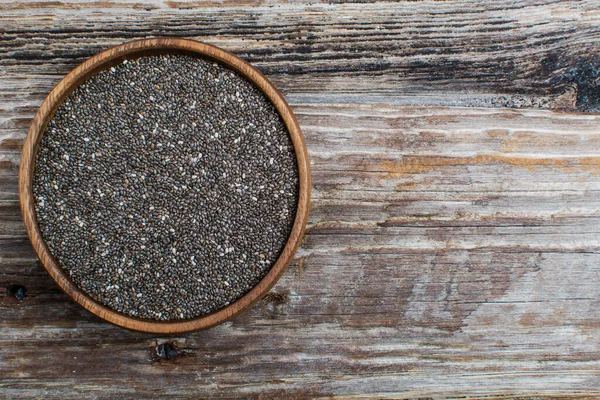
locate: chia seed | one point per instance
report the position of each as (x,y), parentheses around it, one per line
(166,187)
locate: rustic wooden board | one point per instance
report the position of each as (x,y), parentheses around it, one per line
(453,247)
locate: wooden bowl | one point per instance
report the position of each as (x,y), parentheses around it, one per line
(105,60)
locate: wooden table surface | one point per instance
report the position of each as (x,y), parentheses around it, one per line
(453,247)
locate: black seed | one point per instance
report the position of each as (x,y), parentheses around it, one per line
(166,187)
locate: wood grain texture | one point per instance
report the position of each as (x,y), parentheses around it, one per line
(453,245)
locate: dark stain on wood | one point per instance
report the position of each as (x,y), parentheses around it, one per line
(11,144)
(168,351)
(275,303)
(581,73)
(16,291)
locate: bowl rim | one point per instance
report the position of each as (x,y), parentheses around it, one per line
(111,57)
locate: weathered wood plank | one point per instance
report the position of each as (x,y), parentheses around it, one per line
(539,53)
(418,282)
(451,250)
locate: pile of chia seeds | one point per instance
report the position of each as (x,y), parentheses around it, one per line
(166,187)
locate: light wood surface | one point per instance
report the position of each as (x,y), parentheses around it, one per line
(105,60)
(453,244)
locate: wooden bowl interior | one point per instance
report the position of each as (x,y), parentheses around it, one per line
(103,61)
